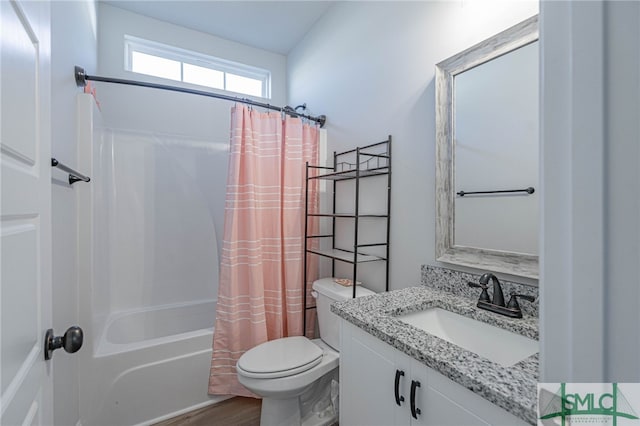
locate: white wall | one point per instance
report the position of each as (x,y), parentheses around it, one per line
(166,112)
(169,113)
(73,41)
(591,192)
(369,66)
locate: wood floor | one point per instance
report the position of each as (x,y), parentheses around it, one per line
(236,411)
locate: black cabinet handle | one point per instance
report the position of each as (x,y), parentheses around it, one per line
(399,398)
(414,411)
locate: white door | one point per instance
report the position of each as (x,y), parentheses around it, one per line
(25,212)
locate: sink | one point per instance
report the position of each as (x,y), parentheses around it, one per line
(500,346)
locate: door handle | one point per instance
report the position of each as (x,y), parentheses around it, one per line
(71,341)
(414,411)
(399,398)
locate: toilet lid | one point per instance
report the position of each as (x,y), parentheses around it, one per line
(280,358)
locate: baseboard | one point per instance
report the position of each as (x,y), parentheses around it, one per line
(213,400)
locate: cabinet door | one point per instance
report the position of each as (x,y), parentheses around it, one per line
(443,402)
(436,407)
(367,379)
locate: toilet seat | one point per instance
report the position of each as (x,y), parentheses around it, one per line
(280,358)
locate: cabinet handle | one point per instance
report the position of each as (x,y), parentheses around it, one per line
(399,398)
(414,411)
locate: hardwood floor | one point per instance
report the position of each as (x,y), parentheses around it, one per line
(236,411)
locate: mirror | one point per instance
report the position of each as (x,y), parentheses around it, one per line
(487,154)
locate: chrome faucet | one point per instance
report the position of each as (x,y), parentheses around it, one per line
(497,305)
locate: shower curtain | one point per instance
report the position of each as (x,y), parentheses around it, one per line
(260,296)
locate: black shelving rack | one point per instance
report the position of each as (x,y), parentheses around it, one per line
(370,160)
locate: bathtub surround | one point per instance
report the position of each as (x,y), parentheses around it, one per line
(154,201)
(455,282)
(147,308)
(260,293)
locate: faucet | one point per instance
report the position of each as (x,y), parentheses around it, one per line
(498,297)
(497,305)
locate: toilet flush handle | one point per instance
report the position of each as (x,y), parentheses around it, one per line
(314,294)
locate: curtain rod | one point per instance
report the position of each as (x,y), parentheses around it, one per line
(82,77)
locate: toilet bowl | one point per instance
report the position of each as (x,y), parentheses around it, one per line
(294,375)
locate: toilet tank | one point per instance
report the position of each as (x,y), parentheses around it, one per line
(327,292)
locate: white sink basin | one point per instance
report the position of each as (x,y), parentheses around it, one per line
(495,344)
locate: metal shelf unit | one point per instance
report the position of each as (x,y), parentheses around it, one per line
(370,160)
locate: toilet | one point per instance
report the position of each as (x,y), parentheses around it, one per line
(295,376)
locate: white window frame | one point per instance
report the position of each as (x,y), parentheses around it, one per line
(136,44)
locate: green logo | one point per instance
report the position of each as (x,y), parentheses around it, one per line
(563,405)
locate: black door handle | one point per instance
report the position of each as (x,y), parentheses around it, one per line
(71,341)
(399,398)
(414,411)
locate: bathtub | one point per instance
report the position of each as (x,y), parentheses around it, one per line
(131,330)
(146,363)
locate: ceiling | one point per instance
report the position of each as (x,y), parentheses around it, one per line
(276,26)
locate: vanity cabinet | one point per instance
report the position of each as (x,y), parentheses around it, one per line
(378,385)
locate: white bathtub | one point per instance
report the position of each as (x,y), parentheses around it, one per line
(126,331)
(151,365)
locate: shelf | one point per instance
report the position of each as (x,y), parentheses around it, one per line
(352,165)
(352,216)
(346,256)
(373,245)
(351,174)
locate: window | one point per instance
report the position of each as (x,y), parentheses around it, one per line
(163,61)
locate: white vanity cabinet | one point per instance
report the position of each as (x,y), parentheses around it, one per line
(368,371)
(367,375)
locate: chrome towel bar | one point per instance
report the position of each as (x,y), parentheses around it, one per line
(74,176)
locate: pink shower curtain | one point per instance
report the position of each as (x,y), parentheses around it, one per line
(260,293)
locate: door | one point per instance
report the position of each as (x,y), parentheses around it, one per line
(25,212)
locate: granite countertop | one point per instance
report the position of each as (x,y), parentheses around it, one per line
(512,388)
